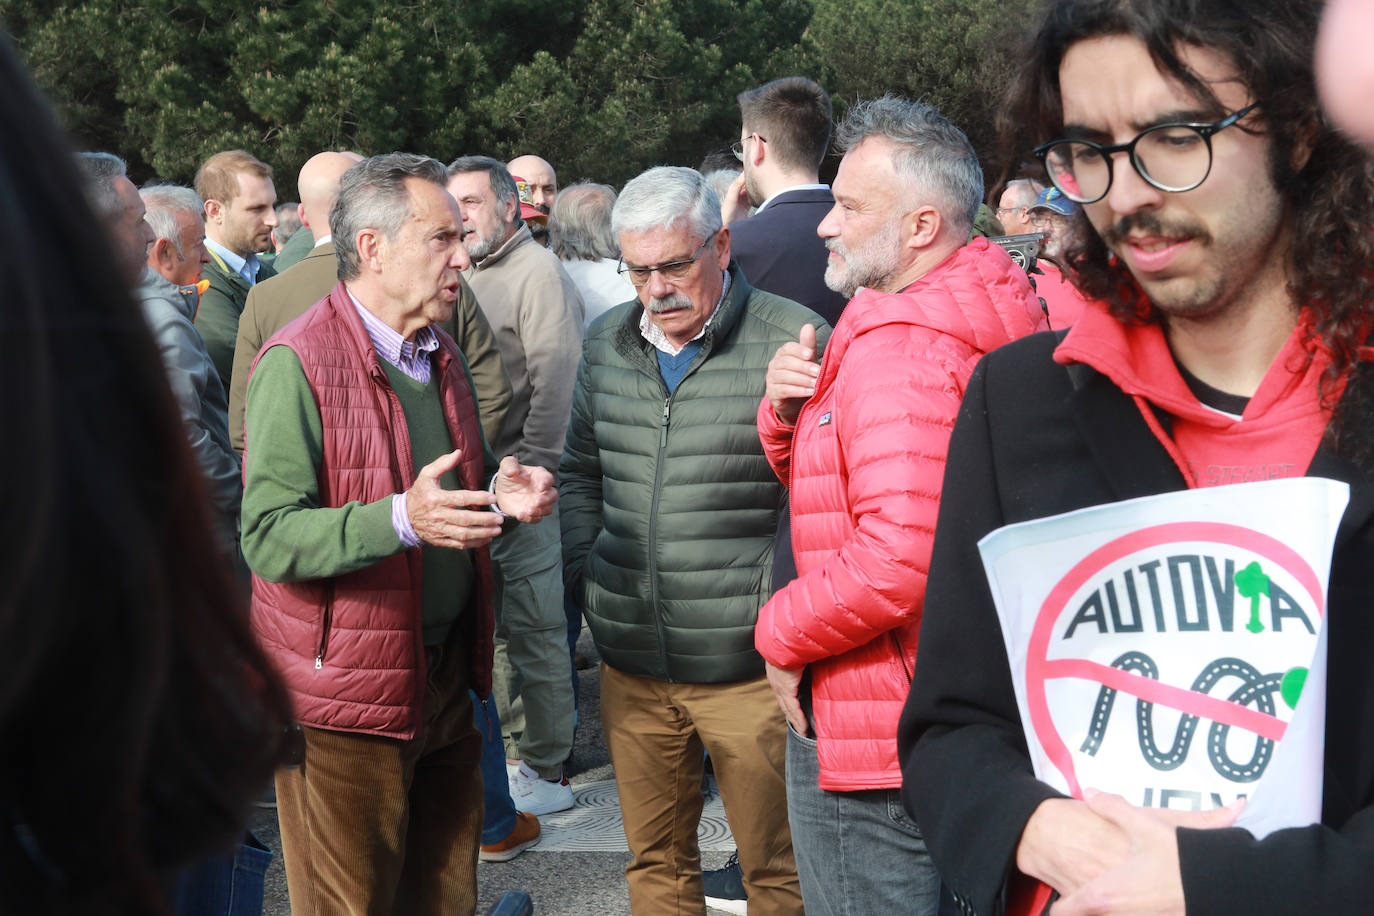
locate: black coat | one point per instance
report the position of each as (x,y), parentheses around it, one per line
(779,251)
(1035,439)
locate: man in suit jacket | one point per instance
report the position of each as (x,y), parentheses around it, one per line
(784,138)
(280,300)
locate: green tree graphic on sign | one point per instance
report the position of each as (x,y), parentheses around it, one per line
(1251,582)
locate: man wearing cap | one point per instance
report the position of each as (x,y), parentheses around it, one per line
(537,313)
(1060,221)
(536,219)
(539,178)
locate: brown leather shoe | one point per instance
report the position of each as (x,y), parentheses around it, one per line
(522,836)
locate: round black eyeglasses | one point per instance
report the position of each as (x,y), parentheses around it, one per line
(1171,157)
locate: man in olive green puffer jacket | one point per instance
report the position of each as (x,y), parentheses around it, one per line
(669,512)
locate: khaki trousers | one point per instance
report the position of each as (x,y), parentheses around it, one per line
(655,732)
(532,676)
(375,826)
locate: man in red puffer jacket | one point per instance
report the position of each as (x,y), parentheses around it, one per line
(860,439)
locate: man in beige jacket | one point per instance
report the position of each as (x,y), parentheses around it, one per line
(537,314)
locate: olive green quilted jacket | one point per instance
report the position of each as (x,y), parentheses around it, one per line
(668,505)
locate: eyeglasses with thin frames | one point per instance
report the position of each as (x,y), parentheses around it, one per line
(1174,157)
(671,272)
(738,146)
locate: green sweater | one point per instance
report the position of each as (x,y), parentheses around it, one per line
(281,482)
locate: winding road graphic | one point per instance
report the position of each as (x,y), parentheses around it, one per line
(1256,689)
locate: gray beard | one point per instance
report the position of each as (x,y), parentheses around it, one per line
(482,248)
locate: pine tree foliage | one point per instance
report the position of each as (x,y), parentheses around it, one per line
(601,88)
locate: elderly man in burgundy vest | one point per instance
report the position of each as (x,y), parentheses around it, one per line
(369,503)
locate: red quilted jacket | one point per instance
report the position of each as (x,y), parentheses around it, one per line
(865,464)
(350,648)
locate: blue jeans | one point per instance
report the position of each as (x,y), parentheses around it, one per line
(498,816)
(858,853)
(225,885)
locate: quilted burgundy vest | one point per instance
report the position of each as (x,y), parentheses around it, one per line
(350,647)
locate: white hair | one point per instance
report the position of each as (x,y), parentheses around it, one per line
(664,197)
(164,202)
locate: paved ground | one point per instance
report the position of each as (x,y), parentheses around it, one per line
(578,868)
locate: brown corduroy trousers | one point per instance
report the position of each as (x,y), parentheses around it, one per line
(375,826)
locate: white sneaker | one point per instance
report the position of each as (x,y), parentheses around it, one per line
(534,795)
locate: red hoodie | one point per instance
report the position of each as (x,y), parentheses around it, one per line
(1275,437)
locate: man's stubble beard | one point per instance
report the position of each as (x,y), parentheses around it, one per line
(1228,272)
(752,189)
(244,243)
(872,264)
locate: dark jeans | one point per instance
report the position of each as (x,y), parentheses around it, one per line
(225,885)
(858,853)
(498,819)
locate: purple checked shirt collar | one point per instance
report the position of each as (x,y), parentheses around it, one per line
(410,356)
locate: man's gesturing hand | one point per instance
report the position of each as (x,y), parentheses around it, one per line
(523,491)
(450,518)
(792,374)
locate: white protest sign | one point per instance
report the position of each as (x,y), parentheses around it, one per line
(1172,649)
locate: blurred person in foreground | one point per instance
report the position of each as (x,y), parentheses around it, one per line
(140,718)
(1227,340)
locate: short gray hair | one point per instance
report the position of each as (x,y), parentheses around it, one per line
(934,156)
(1025,189)
(502,184)
(664,197)
(164,202)
(580,224)
(98,172)
(373,195)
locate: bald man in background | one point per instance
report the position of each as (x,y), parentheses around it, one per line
(539,176)
(273,304)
